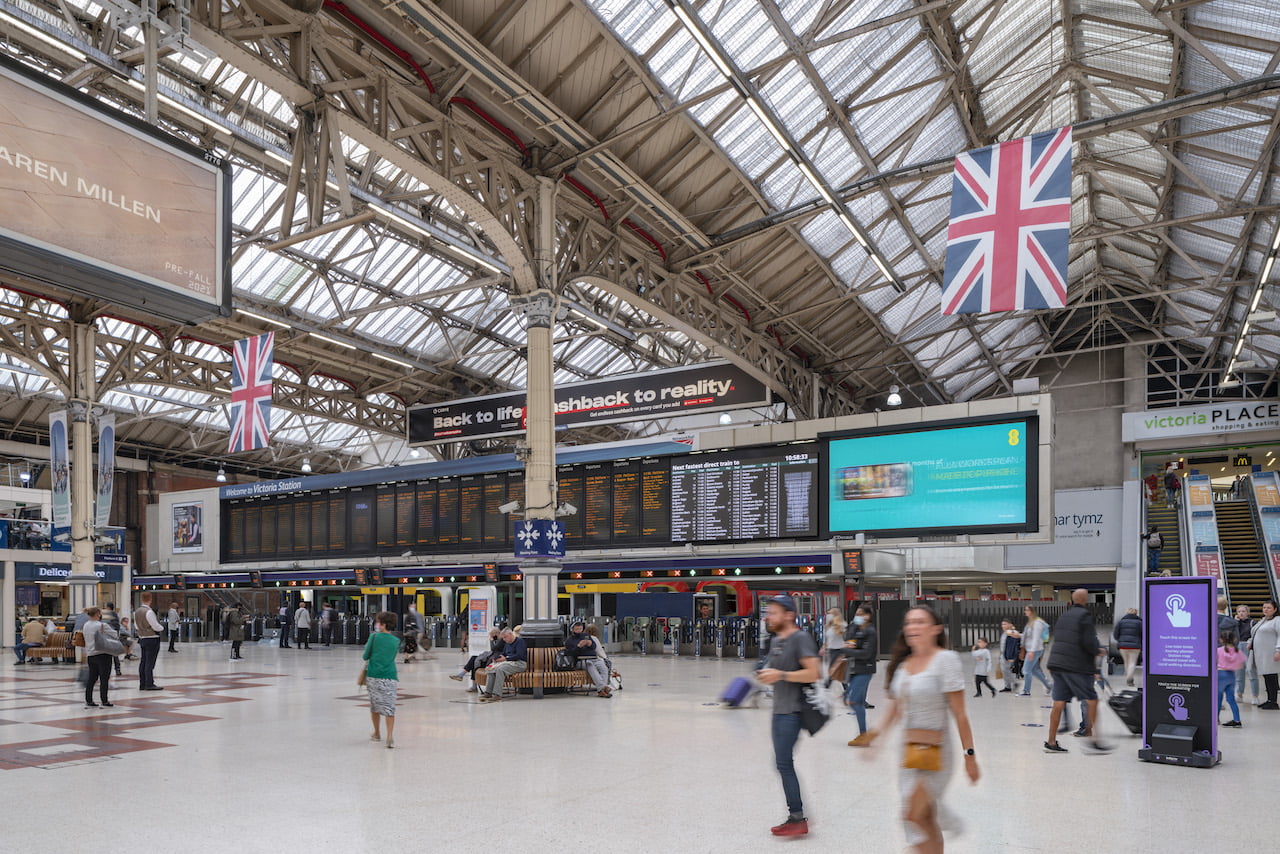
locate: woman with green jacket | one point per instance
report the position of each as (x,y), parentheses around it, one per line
(380,676)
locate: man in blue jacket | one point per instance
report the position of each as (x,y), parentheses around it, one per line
(514,659)
(1072,661)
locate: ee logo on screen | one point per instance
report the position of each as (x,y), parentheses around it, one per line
(1014,438)
(1179,618)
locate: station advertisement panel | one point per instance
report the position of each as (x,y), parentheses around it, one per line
(947,477)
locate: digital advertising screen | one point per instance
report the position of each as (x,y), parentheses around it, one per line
(947,477)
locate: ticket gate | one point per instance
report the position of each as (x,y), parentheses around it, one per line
(642,631)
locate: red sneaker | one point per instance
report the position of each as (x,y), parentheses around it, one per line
(791,827)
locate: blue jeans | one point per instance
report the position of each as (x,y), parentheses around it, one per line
(21,651)
(856,694)
(1031,667)
(1227,689)
(786,730)
(1153,561)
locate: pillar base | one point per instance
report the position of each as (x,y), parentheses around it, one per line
(541,584)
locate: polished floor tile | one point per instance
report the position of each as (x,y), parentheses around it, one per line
(278,744)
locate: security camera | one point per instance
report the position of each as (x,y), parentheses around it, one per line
(566,509)
(509,508)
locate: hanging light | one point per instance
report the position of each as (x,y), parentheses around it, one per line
(25,476)
(306,465)
(894,399)
(726,418)
(222,475)
(414,453)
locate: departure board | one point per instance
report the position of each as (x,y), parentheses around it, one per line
(406,515)
(234,513)
(751,494)
(360,512)
(447,511)
(426,510)
(284,525)
(319,525)
(253,530)
(569,490)
(385,502)
(655,499)
(470,510)
(302,525)
(597,506)
(268,542)
(495,495)
(337,504)
(626,501)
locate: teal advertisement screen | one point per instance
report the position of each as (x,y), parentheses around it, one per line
(976,477)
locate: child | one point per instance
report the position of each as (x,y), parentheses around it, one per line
(981,667)
(1229,661)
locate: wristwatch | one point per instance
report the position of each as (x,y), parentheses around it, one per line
(969,752)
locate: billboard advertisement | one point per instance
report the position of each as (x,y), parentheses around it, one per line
(107,206)
(709,387)
(106,470)
(188,527)
(1087,531)
(973,476)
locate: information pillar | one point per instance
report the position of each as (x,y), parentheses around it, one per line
(541,574)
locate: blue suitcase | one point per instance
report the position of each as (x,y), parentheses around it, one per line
(738,692)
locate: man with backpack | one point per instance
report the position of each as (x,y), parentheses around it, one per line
(1155,543)
(1172,486)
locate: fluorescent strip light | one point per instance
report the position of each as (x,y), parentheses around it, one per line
(1257,298)
(1266,268)
(264,319)
(41,35)
(767,121)
(709,49)
(418,229)
(818,183)
(329,340)
(853,228)
(883,269)
(394,361)
(1275,241)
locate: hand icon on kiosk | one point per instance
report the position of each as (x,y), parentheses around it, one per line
(1179,617)
(1177,707)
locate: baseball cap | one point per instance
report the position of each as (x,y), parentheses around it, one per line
(788,603)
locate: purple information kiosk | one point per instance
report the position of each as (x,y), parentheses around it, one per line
(1180,698)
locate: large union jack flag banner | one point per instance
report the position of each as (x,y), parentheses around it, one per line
(251,374)
(1010,226)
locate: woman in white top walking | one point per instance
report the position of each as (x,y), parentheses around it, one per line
(926,683)
(1033,646)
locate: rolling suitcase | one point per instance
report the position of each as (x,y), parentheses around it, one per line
(1128,707)
(738,692)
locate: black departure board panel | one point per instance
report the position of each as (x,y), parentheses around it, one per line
(360,513)
(751,494)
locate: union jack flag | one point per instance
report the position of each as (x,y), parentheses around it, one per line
(251,374)
(1010,226)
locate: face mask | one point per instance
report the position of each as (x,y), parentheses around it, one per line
(859,620)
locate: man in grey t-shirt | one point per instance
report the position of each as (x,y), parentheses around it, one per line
(793,663)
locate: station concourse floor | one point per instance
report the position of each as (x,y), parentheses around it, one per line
(273,754)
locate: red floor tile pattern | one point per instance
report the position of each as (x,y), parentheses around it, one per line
(93,735)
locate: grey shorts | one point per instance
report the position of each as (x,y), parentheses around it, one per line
(1068,686)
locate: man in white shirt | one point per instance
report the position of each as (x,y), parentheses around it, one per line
(174,624)
(148,627)
(302,619)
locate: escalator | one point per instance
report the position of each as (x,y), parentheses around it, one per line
(1166,521)
(1247,582)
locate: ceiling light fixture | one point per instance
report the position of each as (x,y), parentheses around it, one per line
(222,475)
(306,465)
(25,476)
(894,398)
(726,418)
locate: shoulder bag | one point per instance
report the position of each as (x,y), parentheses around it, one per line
(363,676)
(922,750)
(563,661)
(77,639)
(108,642)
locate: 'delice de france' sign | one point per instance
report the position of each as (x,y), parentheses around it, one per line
(1207,420)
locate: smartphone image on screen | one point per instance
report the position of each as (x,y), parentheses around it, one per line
(882,480)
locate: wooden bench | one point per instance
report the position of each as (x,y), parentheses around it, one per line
(541,674)
(57,645)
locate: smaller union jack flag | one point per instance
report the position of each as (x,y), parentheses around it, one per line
(1010,226)
(251,375)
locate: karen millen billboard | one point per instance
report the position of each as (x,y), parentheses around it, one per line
(104,205)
